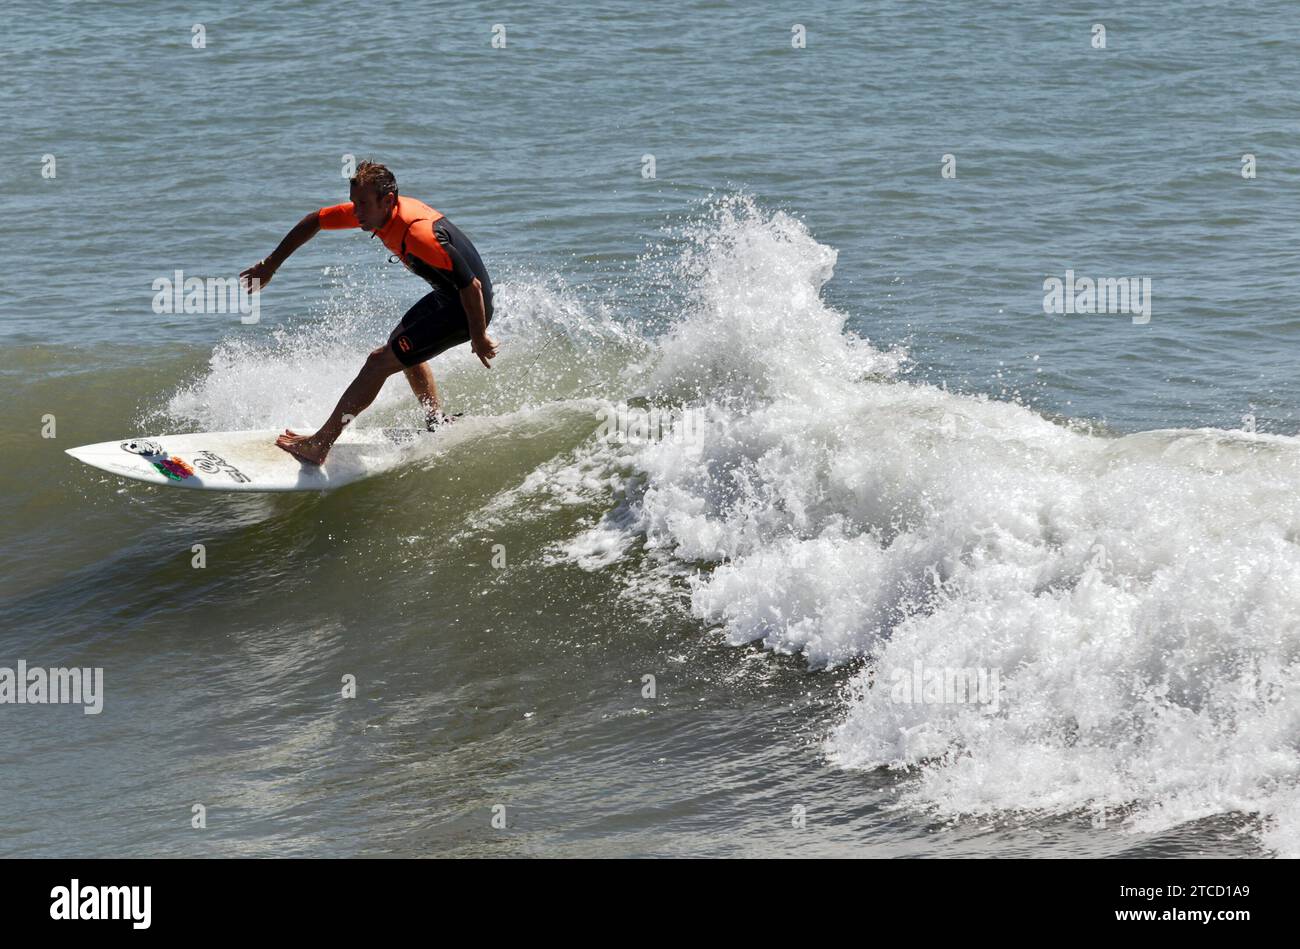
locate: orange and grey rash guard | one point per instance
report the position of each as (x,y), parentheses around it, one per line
(423,239)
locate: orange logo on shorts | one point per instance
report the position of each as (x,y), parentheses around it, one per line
(403,344)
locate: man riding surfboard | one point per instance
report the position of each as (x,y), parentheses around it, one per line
(457,310)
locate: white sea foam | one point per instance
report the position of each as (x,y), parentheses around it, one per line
(553,345)
(1135,594)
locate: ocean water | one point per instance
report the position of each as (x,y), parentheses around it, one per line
(887,466)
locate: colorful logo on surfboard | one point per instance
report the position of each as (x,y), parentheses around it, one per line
(174,468)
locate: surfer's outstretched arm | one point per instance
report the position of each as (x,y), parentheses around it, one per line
(264,270)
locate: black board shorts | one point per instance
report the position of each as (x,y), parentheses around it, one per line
(436,323)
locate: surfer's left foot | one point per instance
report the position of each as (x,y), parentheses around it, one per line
(306,448)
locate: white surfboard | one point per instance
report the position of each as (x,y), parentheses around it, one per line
(250,461)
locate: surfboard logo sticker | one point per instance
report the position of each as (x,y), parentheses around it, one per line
(142,446)
(209,462)
(175,468)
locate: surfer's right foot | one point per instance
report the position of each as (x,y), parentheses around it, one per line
(306,448)
(435,419)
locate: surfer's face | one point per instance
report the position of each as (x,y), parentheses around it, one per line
(372,211)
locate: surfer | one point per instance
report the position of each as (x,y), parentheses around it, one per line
(457,310)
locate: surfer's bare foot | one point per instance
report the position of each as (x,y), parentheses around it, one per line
(306,448)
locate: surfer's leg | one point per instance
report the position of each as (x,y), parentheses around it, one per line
(380,364)
(426,390)
(433,325)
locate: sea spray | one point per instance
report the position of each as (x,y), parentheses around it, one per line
(1133,593)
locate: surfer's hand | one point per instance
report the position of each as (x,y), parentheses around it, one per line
(261,271)
(485,348)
